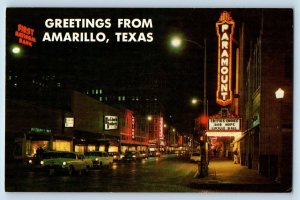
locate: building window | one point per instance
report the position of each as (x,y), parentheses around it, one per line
(119,98)
(100,91)
(123,98)
(100,98)
(96,91)
(93,91)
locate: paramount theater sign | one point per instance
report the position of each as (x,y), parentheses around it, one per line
(225,30)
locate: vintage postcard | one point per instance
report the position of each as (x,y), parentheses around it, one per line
(149,100)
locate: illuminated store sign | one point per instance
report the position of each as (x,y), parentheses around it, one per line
(133,127)
(225,30)
(161,128)
(69,122)
(224,124)
(110,122)
(40,130)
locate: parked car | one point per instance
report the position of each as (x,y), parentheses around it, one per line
(99,158)
(195,157)
(61,161)
(115,156)
(144,154)
(154,154)
(132,156)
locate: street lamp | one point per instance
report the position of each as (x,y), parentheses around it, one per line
(194,101)
(16,50)
(279,94)
(176,42)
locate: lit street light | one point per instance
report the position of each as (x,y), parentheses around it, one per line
(194,101)
(16,50)
(279,94)
(177,42)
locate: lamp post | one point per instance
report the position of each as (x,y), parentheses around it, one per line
(279,94)
(176,42)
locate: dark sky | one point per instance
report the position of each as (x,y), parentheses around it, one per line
(113,64)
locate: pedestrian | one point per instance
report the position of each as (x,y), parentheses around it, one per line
(235,157)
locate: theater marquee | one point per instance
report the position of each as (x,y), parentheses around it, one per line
(224,124)
(225,30)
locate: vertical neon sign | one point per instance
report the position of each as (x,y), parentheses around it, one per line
(225,30)
(133,127)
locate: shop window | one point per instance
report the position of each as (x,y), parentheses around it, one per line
(79,148)
(113,149)
(91,148)
(102,148)
(61,145)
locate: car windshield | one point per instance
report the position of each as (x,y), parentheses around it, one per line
(50,155)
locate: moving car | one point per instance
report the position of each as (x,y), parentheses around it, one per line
(99,158)
(62,161)
(195,157)
(132,156)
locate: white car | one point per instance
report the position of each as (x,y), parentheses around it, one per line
(61,161)
(99,158)
(195,157)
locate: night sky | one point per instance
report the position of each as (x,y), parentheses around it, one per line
(87,65)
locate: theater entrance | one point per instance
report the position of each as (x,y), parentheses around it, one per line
(221,144)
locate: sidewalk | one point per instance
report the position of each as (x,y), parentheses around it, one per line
(224,175)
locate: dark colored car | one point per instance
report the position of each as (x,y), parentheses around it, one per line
(154,154)
(144,154)
(132,156)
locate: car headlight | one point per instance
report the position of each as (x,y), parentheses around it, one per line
(42,162)
(96,159)
(30,161)
(134,156)
(64,163)
(115,157)
(122,156)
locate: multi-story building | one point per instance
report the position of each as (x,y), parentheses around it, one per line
(86,125)
(266,64)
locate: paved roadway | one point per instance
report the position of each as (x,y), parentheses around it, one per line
(164,174)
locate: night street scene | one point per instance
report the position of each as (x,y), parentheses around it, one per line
(149,100)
